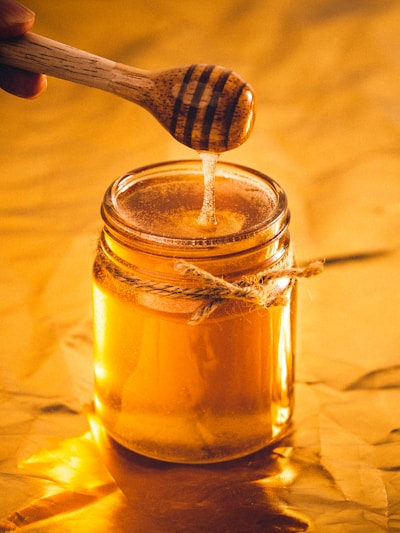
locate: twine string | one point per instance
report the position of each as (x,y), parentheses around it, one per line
(260,289)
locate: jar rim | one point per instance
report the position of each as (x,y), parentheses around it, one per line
(114,211)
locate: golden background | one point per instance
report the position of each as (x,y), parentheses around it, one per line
(327,79)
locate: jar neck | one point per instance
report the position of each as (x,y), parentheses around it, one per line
(230,265)
(135,203)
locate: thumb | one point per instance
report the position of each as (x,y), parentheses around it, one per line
(15,19)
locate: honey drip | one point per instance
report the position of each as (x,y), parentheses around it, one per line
(207,218)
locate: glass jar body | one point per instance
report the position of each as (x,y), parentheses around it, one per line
(188,392)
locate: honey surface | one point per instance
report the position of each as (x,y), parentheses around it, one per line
(170,208)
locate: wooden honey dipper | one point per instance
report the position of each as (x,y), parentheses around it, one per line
(205,107)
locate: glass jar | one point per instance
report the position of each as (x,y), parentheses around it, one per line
(194,326)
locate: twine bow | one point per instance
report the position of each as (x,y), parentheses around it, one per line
(259,289)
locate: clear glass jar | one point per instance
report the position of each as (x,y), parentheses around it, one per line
(194,345)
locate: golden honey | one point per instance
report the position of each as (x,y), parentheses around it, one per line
(182,373)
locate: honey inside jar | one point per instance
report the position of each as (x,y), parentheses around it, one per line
(166,388)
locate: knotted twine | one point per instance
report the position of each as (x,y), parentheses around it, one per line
(261,288)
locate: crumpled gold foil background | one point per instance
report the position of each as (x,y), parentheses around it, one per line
(327,79)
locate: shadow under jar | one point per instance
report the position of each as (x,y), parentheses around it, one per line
(194,344)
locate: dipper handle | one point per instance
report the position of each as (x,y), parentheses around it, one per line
(206,107)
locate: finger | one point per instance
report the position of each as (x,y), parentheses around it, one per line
(15,19)
(22,83)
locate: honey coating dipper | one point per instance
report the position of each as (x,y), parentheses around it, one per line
(205,107)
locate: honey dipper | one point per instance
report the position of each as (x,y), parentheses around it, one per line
(205,107)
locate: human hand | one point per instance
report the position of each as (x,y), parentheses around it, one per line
(15,20)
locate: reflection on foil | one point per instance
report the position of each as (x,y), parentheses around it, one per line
(238,496)
(76,478)
(322,478)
